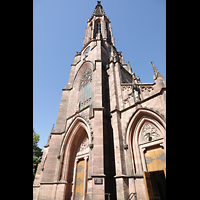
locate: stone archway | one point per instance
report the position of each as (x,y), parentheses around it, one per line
(135,137)
(74,149)
(145,131)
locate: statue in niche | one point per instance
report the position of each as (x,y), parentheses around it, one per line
(136,95)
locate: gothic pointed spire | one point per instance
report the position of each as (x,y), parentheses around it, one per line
(129,68)
(53,128)
(98,9)
(155,71)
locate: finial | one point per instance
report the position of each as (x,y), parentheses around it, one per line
(155,71)
(98,9)
(138,79)
(129,68)
(52,128)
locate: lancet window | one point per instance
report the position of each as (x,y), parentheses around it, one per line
(85,89)
(108,33)
(97,27)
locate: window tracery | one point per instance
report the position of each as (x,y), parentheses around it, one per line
(85,89)
(149,133)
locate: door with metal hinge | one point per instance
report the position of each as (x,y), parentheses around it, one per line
(155,159)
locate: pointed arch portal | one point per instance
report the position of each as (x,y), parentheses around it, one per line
(146,137)
(74,159)
(145,130)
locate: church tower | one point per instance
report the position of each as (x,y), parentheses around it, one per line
(109,136)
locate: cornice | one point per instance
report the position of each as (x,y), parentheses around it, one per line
(129,176)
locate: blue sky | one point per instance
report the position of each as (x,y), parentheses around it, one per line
(139,29)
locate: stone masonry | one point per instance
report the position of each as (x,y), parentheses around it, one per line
(110,112)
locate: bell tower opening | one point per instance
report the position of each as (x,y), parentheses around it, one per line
(108,33)
(97,28)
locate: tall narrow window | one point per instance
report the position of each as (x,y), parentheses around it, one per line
(99,27)
(108,33)
(85,89)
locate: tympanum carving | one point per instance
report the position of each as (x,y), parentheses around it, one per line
(84,145)
(149,133)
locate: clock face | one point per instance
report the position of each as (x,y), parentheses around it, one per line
(86,51)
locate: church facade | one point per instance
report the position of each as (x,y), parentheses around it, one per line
(109,141)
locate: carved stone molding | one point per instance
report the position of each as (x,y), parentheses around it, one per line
(149,133)
(127,93)
(128,88)
(84,145)
(156,111)
(85,116)
(148,88)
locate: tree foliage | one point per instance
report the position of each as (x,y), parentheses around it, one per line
(37,152)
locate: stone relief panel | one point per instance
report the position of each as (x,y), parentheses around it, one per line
(149,133)
(127,94)
(147,88)
(84,147)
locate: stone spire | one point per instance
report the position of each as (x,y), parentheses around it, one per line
(129,68)
(158,76)
(155,71)
(98,27)
(98,9)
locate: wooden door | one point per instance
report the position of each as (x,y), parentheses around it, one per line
(155,159)
(79,180)
(148,185)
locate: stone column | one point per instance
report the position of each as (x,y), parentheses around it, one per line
(85,179)
(74,177)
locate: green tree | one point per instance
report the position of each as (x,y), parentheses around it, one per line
(37,152)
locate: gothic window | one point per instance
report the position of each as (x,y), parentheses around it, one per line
(99,27)
(108,33)
(85,89)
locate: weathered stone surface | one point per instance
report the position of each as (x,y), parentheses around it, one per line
(108,132)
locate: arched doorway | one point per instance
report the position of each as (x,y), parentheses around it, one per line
(146,136)
(75,160)
(154,161)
